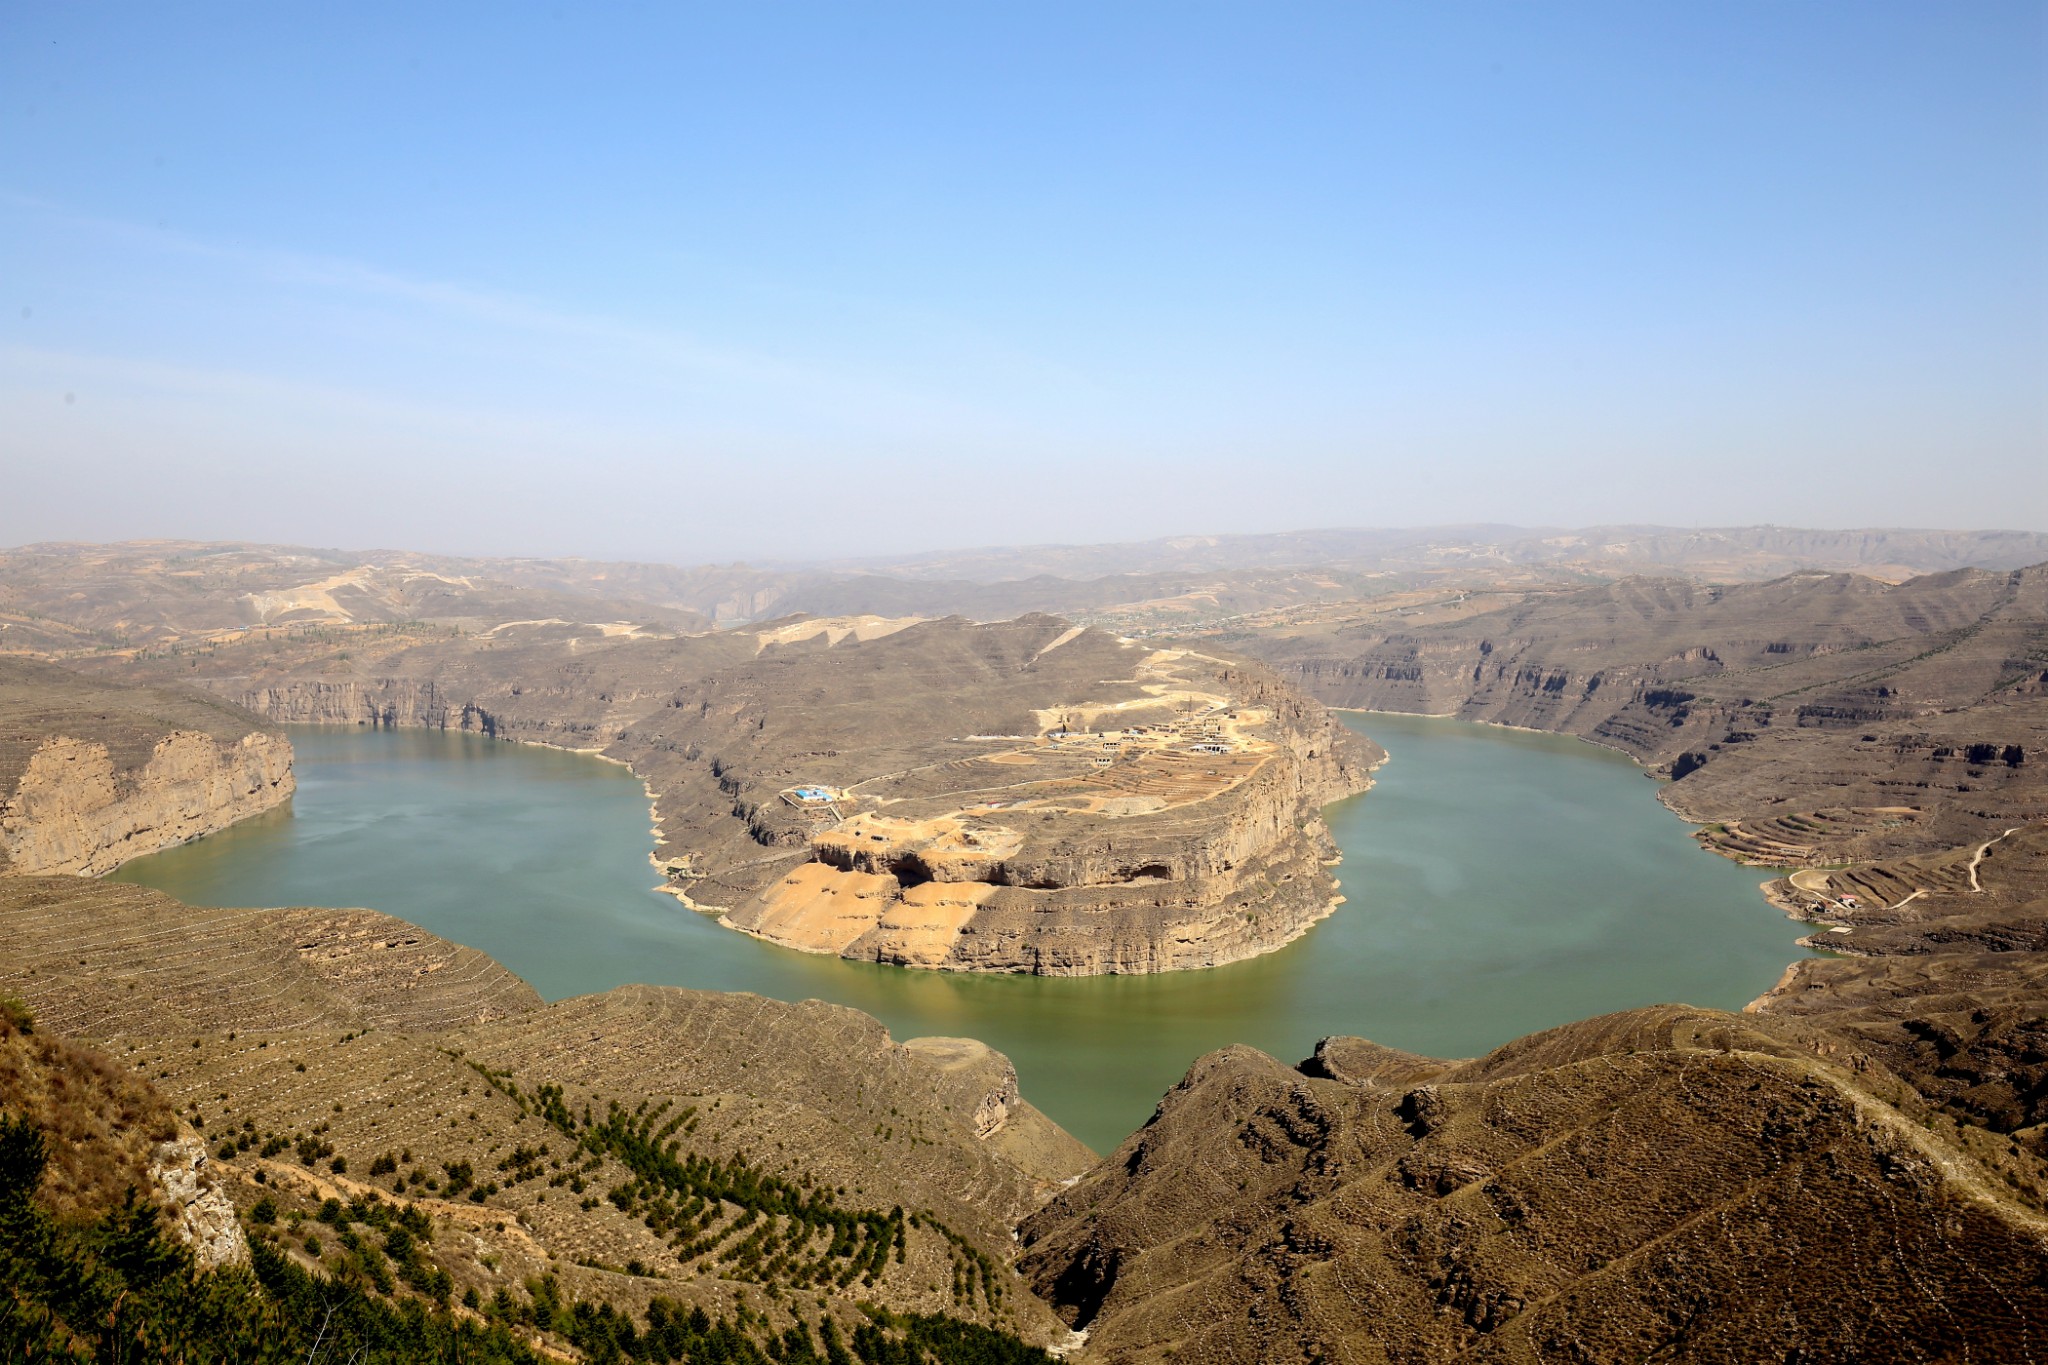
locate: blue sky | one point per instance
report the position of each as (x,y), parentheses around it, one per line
(697,282)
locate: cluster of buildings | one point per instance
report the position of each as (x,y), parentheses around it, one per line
(1203,734)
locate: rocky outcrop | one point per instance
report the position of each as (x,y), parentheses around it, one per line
(975,1080)
(204,1216)
(74,811)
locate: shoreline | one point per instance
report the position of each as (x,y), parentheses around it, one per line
(1502,725)
(721,913)
(1329,909)
(1763,888)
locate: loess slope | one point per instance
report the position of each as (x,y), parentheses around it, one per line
(1663,1184)
(346,1055)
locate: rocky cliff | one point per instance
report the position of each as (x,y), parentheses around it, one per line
(1253,877)
(1826,703)
(93,774)
(543,682)
(70,812)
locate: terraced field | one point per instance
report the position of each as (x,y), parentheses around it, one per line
(755,1151)
(108,960)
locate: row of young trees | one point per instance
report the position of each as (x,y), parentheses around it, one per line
(785,1233)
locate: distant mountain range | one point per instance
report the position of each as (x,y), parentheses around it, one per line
(1736,551)
(59,596)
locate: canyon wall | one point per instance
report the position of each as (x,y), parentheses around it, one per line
(1250,877)
(93,773)
(1848,706)
(978,834)
(73,811)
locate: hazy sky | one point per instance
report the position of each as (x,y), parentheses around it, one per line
(700,282)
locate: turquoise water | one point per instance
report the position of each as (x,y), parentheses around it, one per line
(1499,882)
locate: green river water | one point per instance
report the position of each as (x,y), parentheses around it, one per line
(1499,882)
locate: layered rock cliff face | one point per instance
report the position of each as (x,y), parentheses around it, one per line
(93,774)
(71,812)
(1137,895)
(418,703)
(1251,878)
(1818,698)
(1016,797)
(541,683)
(381,701)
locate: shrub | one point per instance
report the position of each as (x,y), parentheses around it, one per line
(17,1012)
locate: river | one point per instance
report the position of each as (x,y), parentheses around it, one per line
(1499,882)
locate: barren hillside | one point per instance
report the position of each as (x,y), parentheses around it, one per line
(1663,1184)
(717,1149)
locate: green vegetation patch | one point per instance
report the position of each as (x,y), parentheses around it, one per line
(751,1224)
